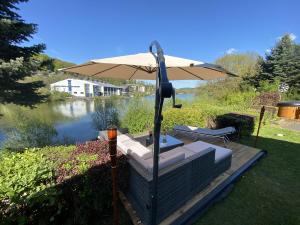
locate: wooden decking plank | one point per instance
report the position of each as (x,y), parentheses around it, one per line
(128,207)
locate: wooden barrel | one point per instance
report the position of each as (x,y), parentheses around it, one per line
(290,110)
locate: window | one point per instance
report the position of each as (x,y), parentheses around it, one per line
(75,92)
(70,86)
(81,93)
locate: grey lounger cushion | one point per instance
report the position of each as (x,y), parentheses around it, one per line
(199,146)
(129,146)
(217,132)
(165,160)
(223,156)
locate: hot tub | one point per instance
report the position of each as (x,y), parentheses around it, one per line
(290,109)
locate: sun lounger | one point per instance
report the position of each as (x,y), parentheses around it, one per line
(219,133)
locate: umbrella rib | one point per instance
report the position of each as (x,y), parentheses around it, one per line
(72,67)
(140,68)
(133,74)
(106,70)
(190,73)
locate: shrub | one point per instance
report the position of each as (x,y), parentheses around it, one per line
(269,86)
(183,116)
(27,181)
(138,117)
(267,98)
(292,94)
(85,181)
(244,124)
(217,90)
(230,92)
(58,96)
(65,185)
(242,99)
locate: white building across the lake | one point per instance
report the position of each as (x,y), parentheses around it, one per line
(85,88)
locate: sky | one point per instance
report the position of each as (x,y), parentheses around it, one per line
(80,30)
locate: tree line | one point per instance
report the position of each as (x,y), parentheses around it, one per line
(281,64)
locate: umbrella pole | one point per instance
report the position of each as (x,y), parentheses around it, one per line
(157,126)
(164,89)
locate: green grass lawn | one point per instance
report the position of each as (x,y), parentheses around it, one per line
(269,193)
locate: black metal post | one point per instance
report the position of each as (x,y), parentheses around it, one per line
(164,89)
(261,116)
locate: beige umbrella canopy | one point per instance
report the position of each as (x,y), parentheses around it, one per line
(142,66)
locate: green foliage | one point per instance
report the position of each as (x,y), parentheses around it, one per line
(51,64)
(244,64)
(241,99)
(58,96)
(138,117)
(15,58)
(58,185)
(26,180)
(244,124)
(11,89)
(230,92)
(218,90)
(82,162)
(292,94)
(185,116)
(282,64)
(269,86)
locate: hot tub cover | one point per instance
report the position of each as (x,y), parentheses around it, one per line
(289,104)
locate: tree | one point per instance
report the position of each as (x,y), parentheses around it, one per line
(244,64)
(15,59)
(283,62)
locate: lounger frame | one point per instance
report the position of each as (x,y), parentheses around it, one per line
(224,136)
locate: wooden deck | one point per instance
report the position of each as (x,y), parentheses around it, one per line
(242,159)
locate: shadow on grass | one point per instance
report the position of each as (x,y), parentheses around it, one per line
(266,194)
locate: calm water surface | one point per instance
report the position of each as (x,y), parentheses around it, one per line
(75,121)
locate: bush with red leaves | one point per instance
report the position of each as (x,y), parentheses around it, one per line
(86,196)
(267,99)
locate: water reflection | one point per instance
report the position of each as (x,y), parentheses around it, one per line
(75,121)
(75,109)
(107,113)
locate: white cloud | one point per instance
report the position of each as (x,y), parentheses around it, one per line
(292,36)
(268,50)
(231,50)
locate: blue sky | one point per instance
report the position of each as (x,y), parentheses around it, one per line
(80,30)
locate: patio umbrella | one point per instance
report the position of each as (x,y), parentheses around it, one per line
(143,66)
(152,66)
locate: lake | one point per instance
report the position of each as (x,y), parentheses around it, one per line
(75,120)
